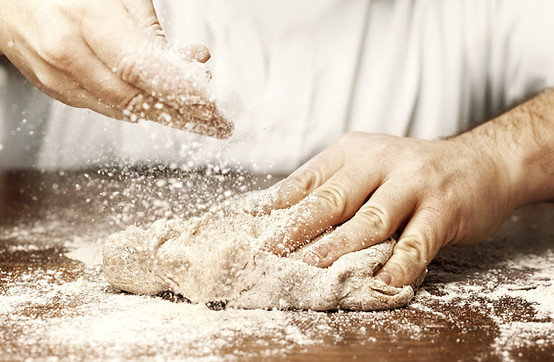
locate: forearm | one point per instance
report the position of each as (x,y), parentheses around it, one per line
(522,140)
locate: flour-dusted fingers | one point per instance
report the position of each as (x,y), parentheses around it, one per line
(144,14)
(75,45)
(195,52)
(420,241)
(122,46)
(377,220)
(61,85)
(306,178)
(330,204)
(85,81)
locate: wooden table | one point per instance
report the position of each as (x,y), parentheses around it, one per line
(489,302)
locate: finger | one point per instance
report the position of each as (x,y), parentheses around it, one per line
(195,52)
(121,45)
(97,88)
(419,243)
(377,220)
(202,119)
(144,14)
(304,180)
(94,86)
(328,205)
(60,86)
(71,93)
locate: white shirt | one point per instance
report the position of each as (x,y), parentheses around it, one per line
(295,75)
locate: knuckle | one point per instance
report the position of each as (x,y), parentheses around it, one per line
(431,212)
(54,47)
(55,52)
(155,29)
(350,138)
(351,135)
(446,213)
(306,182)
(128,70)
(375,218)
(333,198)
(135,107)
(414,248)
(432,218)
(48,81)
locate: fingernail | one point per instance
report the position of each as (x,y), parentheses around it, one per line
(311,258)
(202,55)
(274,247)
(384,277)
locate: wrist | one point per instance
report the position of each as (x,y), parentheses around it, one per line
(536,147)
(521,145)
(494,165)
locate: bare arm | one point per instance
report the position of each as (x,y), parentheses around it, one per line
(523,139)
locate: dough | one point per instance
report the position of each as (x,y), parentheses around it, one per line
(219,258)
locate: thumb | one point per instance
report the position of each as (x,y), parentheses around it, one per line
(415,249)
(144,14)
(195,52)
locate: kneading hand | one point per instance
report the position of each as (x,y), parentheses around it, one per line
(110,56)
(433,193)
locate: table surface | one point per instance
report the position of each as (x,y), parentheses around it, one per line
(488,302)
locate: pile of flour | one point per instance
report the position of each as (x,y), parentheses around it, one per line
(219,257)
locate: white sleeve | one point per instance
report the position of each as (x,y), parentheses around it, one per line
(522,51)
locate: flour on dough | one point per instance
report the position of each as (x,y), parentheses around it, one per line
(219,257)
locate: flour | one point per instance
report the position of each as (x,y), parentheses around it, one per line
(183,98)
(492,301)
(220,257)
(118,325)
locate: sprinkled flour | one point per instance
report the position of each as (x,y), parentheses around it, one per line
(488,302)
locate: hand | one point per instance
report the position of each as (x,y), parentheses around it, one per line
(434,193)
(110,56)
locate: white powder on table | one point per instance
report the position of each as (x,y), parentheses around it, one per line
(500,294)
(46,313)
(82,319)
